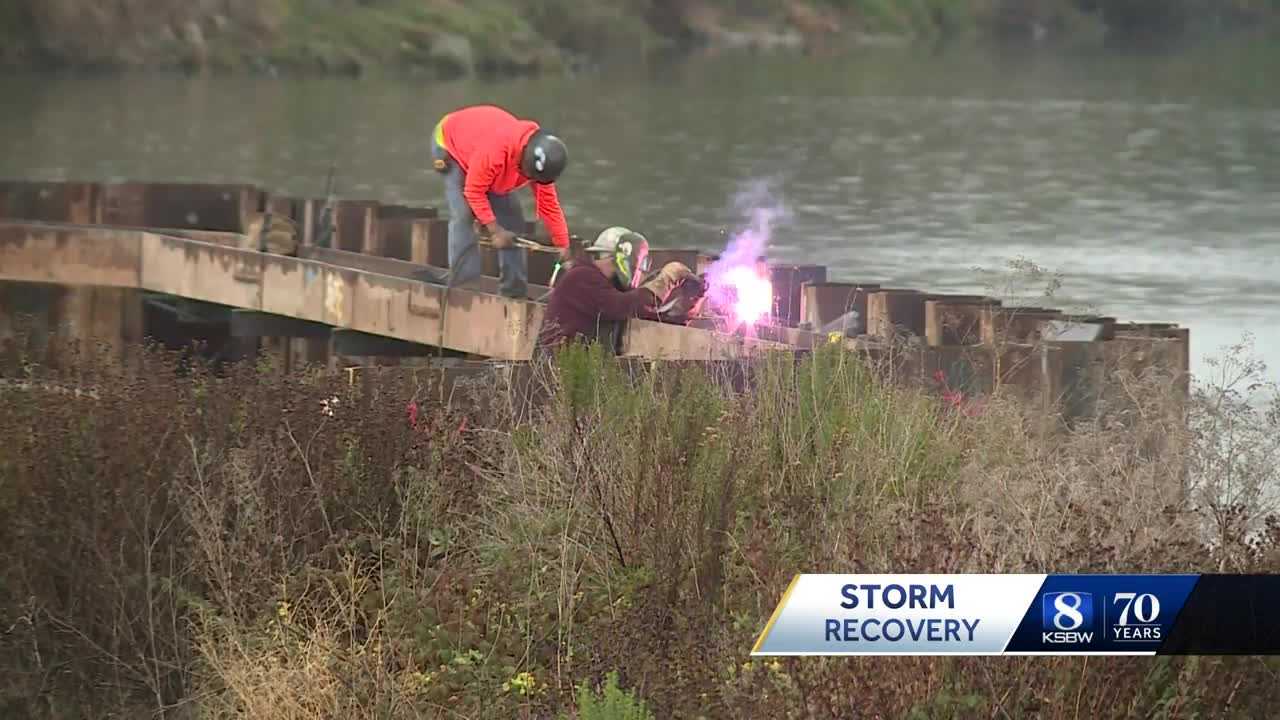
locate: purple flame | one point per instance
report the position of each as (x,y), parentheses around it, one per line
(738,282)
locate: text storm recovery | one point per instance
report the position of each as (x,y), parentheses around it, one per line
(876,625)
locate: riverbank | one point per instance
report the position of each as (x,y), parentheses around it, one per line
(263,546)
(446,38)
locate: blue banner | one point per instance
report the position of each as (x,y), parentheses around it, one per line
(1113,614)
(1025,614)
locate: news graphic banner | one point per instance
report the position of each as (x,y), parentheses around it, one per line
(1025,614)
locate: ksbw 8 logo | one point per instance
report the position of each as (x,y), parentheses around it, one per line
(1067,618)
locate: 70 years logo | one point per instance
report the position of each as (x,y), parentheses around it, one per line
(1139,619)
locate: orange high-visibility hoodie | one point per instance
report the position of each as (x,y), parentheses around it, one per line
(487,142)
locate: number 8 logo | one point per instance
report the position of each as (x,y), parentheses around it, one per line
(1071,611)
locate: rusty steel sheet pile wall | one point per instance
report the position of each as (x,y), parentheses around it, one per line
(306,289)
(189,240)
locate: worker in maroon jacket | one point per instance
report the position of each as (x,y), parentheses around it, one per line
(486,154)
(603,288)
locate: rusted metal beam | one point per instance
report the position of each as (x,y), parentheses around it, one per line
(969,370)
(796,338)
(187,311)
(215,215)
(252,323)
(824,303)
(891,311)
(1016,324)
(306,289)
(49,201)
(788,286)
(896,310)
(399,268)
(662,341)
(192,206)
(1079,328)
(1018,366)
(1106,324)
(352,342)
(659,257)
(1074,377)
(111,315)
(890,360)
(343,297)
(195,206)
(1064,379)
(955,320)
(70,255)
(429,242)
(395,229)
(1139,346)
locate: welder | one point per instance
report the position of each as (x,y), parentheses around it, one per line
(603,287)
(485,154)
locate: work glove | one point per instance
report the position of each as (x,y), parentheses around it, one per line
(499,237)
(667,279)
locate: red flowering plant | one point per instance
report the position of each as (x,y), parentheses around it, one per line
(412,411)
(954,399)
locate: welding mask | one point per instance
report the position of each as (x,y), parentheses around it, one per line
(630,251)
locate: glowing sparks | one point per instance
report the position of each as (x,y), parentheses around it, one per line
(752,294)
(739,284)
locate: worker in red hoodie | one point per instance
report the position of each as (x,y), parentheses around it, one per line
(486,154)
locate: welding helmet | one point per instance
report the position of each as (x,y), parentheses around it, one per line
(544,157)
(630,253)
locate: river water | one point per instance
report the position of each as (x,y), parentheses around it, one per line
(1152,184)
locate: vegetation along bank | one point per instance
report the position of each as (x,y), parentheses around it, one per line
(449,38)
(253,545)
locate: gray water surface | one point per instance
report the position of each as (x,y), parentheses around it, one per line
(1151,184)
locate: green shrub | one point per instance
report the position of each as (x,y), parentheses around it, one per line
(611,703)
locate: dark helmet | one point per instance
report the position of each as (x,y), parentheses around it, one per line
(544,157)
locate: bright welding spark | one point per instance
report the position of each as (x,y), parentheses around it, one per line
(738,285)
(753,294)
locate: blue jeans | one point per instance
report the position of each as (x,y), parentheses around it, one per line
(464,253)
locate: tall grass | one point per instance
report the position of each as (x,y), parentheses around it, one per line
(253,545)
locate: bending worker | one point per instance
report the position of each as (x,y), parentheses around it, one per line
(602,289)
(486,154)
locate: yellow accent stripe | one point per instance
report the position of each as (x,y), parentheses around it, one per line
(776,612)
(439,133)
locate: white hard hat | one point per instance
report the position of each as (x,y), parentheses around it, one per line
(630,251)
(607,241)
